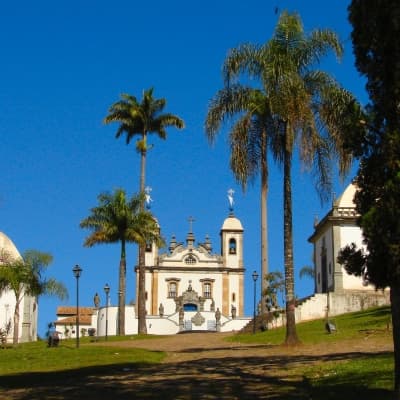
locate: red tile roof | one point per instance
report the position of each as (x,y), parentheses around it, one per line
(72,311)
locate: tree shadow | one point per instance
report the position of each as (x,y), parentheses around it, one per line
(272,377)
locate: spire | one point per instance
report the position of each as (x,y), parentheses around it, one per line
(172,244)
(190,237)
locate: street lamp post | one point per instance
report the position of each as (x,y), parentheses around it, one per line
(77,270)
(255,277)
(107,292)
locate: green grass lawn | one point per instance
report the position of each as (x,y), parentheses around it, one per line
(367,376)
(349,326)
(37,357)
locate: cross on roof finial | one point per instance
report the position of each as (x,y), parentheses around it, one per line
(191,220)
(230,199)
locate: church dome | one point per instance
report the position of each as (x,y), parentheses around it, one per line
(346,198)
(8,246)
(232,224)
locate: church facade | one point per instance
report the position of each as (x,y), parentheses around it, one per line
(190,287)
(216,278)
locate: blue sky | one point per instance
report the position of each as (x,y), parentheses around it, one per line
(64,63)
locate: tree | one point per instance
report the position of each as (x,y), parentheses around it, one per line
(276,285)
(119,219)
(311,112)
(376,142)
(24,276)
(248,109)
(141,119)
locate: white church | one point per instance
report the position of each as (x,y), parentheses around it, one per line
(28,310)
(189,287)
(337,292)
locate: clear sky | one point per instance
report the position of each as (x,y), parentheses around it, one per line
(64,63)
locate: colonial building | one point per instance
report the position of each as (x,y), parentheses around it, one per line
(336,230)
(65,324)
(189,286)
(217,279)
(336,291)
(27,308)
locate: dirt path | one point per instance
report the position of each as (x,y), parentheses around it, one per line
(203,366)
(194,346)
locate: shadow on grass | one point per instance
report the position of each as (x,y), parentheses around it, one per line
(345,387)
(273,377)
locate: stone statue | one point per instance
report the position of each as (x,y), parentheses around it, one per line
(161,310)
(218,315)
(218,320)
(96,300)
(233,311)
(181,314)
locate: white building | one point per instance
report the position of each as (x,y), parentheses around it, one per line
(189,287)
(28,307)
(336,291)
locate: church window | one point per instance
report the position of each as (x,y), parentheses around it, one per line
(232,246)
(190,260)
(330,268)
(149,247)
(233,297)
(146,295)
(207,290)
(172,289)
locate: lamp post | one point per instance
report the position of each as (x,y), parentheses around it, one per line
(255,277)
(107,292)
(77,270)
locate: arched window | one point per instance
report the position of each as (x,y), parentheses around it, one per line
(232,246)
(190,260)
(149,247)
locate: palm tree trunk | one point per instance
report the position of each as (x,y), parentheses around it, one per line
(122,290)
(264,221)
(291,334)
(142,329)
(395,306)
(16,318)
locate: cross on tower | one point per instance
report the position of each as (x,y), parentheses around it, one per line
(191,220)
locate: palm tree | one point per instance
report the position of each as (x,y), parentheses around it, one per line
(249,144)
(24,276)
(140,119)
(118,219)
(309,107)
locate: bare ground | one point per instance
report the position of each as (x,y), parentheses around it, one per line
(202,366)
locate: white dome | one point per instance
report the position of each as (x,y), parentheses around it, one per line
(232,224)
(7,246)
(346,198)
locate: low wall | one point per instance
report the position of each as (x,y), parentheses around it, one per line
(166,325)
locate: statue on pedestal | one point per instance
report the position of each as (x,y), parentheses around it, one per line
(96,300)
